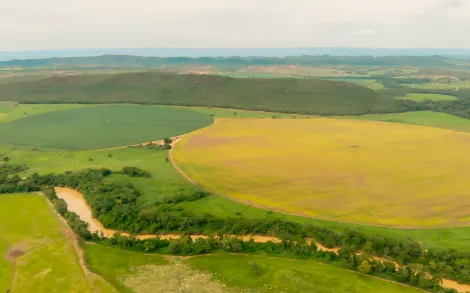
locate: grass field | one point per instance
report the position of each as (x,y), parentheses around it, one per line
(101,127)
(26,110)
(117,265)
(424,118)
(357,173)
(34,241)
(442,86)
(233,113)
(6,106)
(287,275)
(134,272)
(423,97)
(258,75)
(369,83)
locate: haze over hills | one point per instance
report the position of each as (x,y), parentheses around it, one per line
(307,60)
(243,52)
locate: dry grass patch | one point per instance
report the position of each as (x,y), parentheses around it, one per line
(355,171)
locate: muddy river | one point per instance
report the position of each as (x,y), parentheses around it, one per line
(77,204)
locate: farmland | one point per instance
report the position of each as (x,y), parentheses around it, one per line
(253,165)
(40,256)
(266,274)
(262,172)
(165,180)
(100,127)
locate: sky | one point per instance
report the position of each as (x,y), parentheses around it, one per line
(77,24)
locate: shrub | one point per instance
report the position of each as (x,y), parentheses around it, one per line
(135,172)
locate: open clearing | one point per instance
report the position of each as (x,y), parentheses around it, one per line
(41,258)
(134,272)
(100,127)
(287,275)
(431,97)
(354,171)
(369,83)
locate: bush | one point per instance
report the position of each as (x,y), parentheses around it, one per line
(135,172)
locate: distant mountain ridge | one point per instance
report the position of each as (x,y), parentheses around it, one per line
(308,60)
(243,52)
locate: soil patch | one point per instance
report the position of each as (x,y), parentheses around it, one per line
(16,253)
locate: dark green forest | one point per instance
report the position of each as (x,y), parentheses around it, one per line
(307,96)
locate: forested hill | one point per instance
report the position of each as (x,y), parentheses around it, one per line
(310,96)
(147,62)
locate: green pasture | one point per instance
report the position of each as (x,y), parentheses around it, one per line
(369,83)
(6,106)
(424,97)
(45,260)
(26,110)
(115,264)
(258,75)
(100,127)
(424,118)
(442,86)
(234,113)
(269,274)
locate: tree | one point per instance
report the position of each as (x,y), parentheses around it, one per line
(61,206)
(255,269)
(6,159)
(167,140)
(364,267)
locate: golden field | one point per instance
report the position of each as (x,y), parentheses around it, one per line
(355,171)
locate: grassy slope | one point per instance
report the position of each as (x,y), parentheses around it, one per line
(101,127)
(312,96)
(50,264)
(22,111)
(233,113)
(115,263)
(424,118)
(288,275)
(423,97)
(369,83)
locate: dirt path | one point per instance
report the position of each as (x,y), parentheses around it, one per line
(174,163)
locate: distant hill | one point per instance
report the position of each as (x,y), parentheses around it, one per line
(310,96)
(148,62)
(244,52)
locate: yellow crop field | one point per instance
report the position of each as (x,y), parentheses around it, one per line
(356,171)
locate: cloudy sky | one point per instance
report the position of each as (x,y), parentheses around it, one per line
(74,24)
